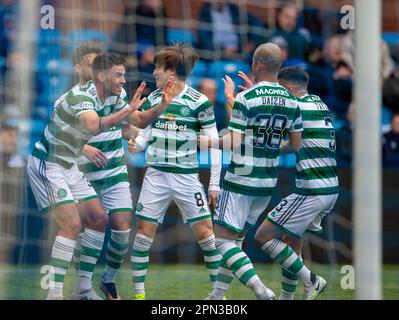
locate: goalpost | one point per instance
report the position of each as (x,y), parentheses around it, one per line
(367,160)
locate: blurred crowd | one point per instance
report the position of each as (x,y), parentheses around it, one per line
(225,35)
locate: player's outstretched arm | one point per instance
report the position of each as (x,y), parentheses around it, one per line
(95,124)
(229,141)
(144,118)
(216,168)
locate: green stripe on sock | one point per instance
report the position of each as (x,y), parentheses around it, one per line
(239,263)
(113,265)
(247,275)
(91,252)
(213,278)
(288,274)
(136,253)
(139,266)
(59,263)
(283,255)
(59,278)
(212,265)
(231,252)
(88,267)
(138,279)
(118,246)
(224,278)
(289,287)
(211,253)
(296,266)
(115,255)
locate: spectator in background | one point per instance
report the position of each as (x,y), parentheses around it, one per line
(344,139)
(8,25)
(144,28)
(287,62)
(390,90)
(151,25)
(222,36)
(298,39)
(331,78)
(208,87)
(9,157)
(8,31)
(143,23)
(390,144)
(145,67)
(348,52)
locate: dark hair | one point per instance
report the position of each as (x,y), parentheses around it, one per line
(294,75)
(105,61)
(83,50)
(179,57)
(395,114)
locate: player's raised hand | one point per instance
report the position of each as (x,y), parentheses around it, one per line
(229,89)
(132,147)
(95,156)
(137,102)
(247,81)
(167,92)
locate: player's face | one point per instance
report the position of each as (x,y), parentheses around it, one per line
(161,76)
(84,71)
(115,79)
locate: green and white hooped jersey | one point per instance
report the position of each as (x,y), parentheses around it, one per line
(110,143)
(173,143)
(64,136)
(316,161)
(265,114)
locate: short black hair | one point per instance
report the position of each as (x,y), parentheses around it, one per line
(294,75)
(83,50)
(105,61)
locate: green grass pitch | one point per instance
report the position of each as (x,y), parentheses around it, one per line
(182,282)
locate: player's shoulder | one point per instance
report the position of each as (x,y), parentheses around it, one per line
(195,100)
(312,101)
(82,93)
(265,89)
(155,95)
(194,96)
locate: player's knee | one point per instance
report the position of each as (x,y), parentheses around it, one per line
(72,228)
(261,237)
(98,221)
(120,221)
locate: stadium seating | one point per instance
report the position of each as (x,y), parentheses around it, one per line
(48,48)
(218,69)
(180,35)
(76,37)
(391,38)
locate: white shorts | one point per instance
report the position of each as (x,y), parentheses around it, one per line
(160,188)
(296,213)
(117,198)
(236,211)
(54,185)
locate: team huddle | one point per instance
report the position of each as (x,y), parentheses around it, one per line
(78,171)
